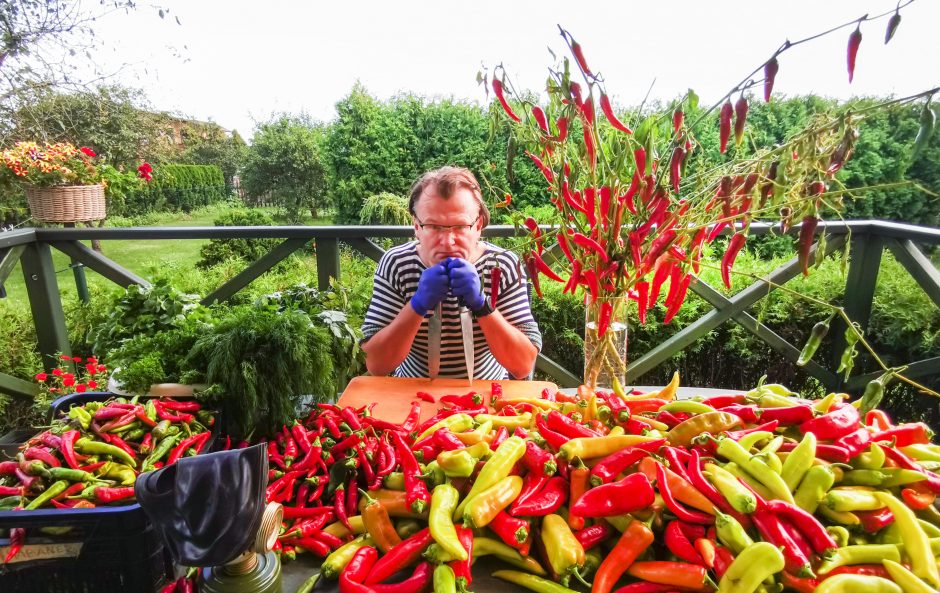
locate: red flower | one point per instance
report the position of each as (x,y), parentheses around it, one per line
(88,151)
(65,357)
(144,171)
(76,359)
(54,389)
(80,388)
(57,372)
(68,381)
(91,360)
(102,368)
(68,376)
(92,384)
(41,376)
(92,369)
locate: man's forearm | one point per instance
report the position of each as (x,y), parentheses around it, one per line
(512,348)
(389,346)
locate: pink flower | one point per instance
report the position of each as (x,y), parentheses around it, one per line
(41,376)
(80,388)
(88,151)
(92,384)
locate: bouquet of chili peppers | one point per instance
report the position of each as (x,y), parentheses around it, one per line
(730,493)
(635,205)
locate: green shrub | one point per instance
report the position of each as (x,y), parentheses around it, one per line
(385,209)
(178,188)
(217,251)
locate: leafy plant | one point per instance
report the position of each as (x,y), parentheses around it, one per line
(385,208)
(143,310)
(259,363)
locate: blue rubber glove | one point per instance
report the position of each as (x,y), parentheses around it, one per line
(465,283)
(432,289)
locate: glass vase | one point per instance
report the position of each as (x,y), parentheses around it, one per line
(605,341)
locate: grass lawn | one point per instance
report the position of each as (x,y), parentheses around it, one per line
(145,258)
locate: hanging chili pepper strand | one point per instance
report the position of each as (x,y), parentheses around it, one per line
(677,116)
(540,118)
(547,172)
(807,233)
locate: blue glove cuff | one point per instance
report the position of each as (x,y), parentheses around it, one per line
(418,307)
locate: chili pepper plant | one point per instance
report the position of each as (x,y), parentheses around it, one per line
(634,209)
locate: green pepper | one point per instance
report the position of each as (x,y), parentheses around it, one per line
(687,406)
(874,392)
(532,582)
(440,520)
(485,546)
(81,415)
(48,494)
(730,449)
(799,461)
(732,533)
(816,336)
(334,564)
(816,483)
(10,502)
(565,553)
(444,579)
(737,495)
(495,469)
(873,458)
(339,475)
(457,464)
(394,481)
(160,451)
(72,475)
(916,543)
(90,447)
(159,431)
(862,554)
(754,564)
(433,475)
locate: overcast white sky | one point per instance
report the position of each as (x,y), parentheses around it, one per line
(236,62)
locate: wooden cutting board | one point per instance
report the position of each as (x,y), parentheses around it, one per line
(393,395)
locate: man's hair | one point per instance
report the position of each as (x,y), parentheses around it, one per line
(444,182)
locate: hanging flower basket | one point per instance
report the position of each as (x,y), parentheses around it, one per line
(66,203)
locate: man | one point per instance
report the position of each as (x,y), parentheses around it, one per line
(450,266)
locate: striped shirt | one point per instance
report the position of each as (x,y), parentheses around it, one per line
(396,281)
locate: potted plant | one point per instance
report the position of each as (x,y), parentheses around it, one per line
(63,183)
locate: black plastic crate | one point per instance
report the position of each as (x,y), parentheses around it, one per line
(109,548)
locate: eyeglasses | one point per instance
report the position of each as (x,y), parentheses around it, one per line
(458,229)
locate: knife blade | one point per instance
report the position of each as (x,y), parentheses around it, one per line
(466,328)
(434,343)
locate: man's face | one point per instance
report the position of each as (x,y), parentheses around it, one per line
(452,227)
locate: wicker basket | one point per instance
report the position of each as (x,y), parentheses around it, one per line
(67,203)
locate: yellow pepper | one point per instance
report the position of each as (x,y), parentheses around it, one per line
(456,423)
(565,553)
(484,507)
(522,420)
(495,469)
(589,447)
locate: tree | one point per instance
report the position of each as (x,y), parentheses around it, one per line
(285,158)
(43,43)
(227,153)
(112,120)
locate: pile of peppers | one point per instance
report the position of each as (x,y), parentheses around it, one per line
(93,454)
(761,491)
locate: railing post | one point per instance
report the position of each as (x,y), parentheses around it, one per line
(860,283)
(81,284)
(45,302)
(327,261)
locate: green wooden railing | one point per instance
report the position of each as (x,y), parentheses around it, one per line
(867,240)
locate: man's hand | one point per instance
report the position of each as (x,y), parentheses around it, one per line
(432,289)
(465,283)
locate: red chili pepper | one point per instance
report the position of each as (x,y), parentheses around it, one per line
(589,147)
(724,126)
(632,493)
(677,117)
(787,416)
(855,39)
(590,245)
(773,531)
(820,540)
(462,567)
(17,539)
(591,537)
(642,301)
(404,554)
(498,91)
(673,306)
(578,54)
(547,172)
(834,425)
(673,505)
(603,318)
(878,420)
(426,397)
(106,495)
(875,521)
(568,427)
(418,496)
(554,439)
(675,167)
(933,480)
(544,269)
(608,110)
(722,401)
(590,279)
(540,118)
(356,571)
(770,75)
(40,454)
(807,232)
(727,261)
(607,469)
(120,443)
(915,433)
(679,544)
(740,117)
(546,501)
(180,406)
